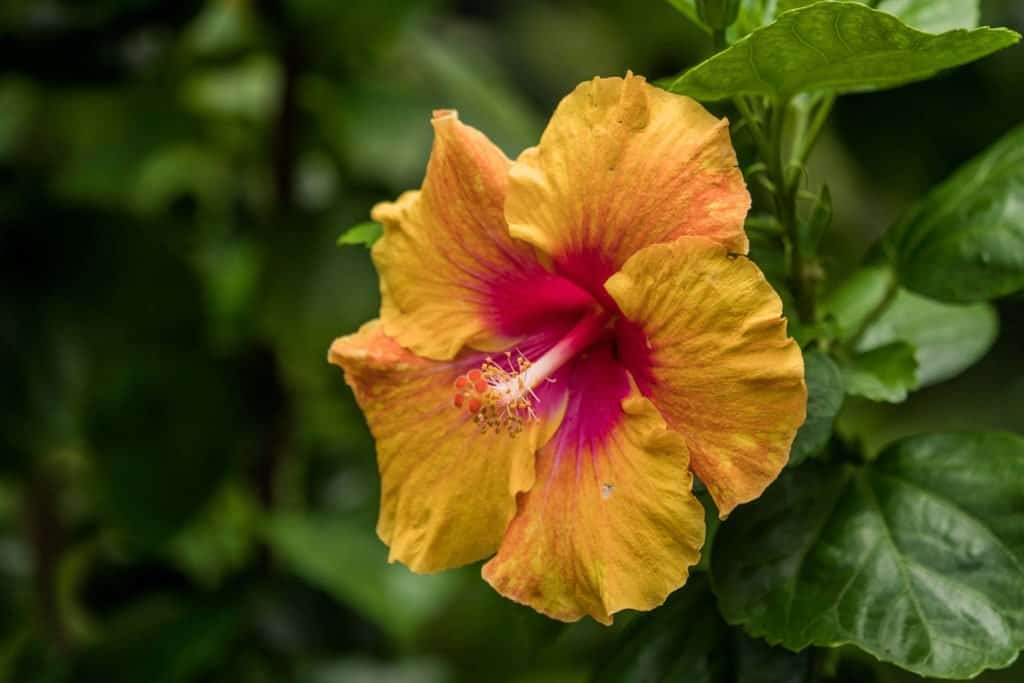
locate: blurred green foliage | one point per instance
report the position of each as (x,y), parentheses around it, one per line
(187,490)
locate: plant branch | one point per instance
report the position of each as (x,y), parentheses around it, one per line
(753,122)
(787,184)
(781,172)
(817,124)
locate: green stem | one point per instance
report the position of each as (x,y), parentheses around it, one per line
(754,124)
(814,129)
(787,187)
(782,176)
(766,224)
(800,127)
(718,40)
(783,185)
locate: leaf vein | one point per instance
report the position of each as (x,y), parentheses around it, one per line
(801,563)
(952,505)
(872,499)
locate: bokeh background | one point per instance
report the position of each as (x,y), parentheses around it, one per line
(187,490)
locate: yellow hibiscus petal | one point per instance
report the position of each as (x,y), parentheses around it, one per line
(623,165)
(446,260)
(447,490)
(716,361)
(611,522)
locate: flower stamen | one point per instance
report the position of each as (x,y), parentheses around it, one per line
(500,395)
(496,394)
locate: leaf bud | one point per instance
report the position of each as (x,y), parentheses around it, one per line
(718,14)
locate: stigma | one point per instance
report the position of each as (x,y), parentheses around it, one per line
(500,396)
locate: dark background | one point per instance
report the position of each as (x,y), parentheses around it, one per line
(187,490)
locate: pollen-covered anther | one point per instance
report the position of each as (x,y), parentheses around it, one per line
(497,395)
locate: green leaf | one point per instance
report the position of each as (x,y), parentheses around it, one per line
(917,558)
(848,307)
(686,640)
(886,373)
(753,13)
(353,567)
(759,662)
(965,241)
(825,391)
(947,338)
(925,15)
(364,233)
(835,46)
(932,16)
(989,397)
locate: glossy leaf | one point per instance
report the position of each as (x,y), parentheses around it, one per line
(917,558)
(886,373)
(364,233)
(947,338)
(965,241)
(847,308)
(834,46)
(990,397)
(825,391)
(926,15)
(932,16)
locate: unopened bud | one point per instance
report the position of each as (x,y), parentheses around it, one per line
(718,14)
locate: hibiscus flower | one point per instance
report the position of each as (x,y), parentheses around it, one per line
(562,340)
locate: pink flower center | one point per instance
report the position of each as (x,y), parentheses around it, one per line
(501,396)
